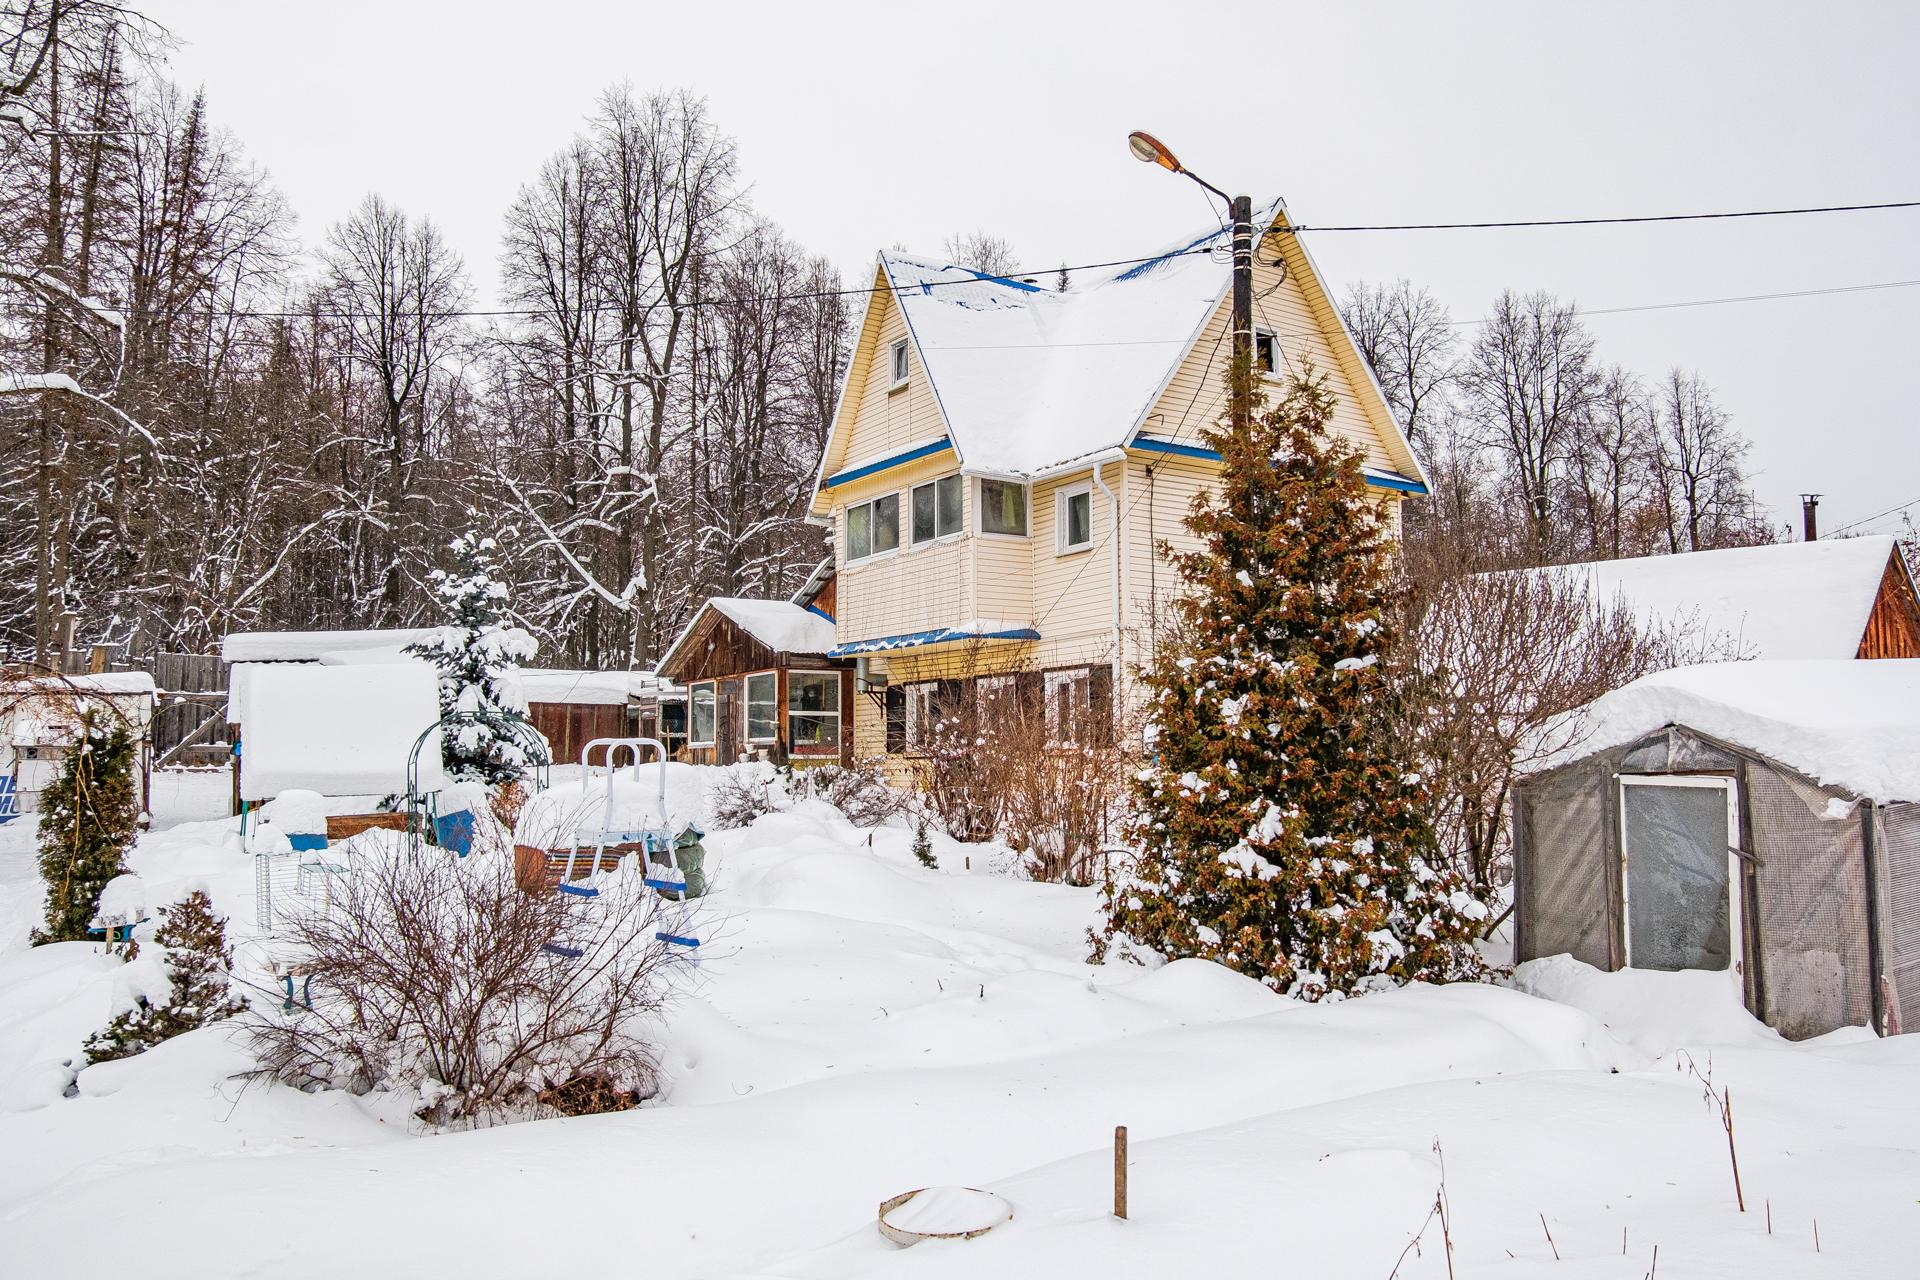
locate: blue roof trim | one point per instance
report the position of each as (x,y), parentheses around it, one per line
(919,639)
(814,608)
(1376,479)
(887,464)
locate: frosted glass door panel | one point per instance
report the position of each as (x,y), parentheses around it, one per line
(1678,885)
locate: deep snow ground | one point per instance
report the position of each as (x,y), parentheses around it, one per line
(863,1026)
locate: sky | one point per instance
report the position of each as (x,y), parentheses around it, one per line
(861,126)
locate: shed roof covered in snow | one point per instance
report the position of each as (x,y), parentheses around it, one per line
(778,628)
(1786,600)
(590,688)
(1843,723)
(338,730)
(331,648)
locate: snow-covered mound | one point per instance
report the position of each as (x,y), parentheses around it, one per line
(1653,1011)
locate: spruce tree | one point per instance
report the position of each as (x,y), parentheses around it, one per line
(88,816)
(198,964)
(474,652)
(1279,822)
(923,847)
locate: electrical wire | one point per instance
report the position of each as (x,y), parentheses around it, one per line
(1910,502)
(1610,222)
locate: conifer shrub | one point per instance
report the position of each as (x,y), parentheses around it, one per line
(923,847)
(88,818)
(1279,824)
(474,651)
(198,963)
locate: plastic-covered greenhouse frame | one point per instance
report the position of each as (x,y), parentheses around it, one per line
(1823,882)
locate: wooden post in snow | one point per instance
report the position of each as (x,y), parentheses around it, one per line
(1120,1171)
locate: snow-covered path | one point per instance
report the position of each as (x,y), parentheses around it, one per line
(864,1026)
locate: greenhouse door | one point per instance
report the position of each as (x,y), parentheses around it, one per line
(1680,872)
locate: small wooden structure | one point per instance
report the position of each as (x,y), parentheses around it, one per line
(759,684)
(40,718)
(572,708)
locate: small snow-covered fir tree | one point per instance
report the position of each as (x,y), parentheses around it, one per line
(200,993)
(88,816)
(923,847)
(1279,822)
(474,652)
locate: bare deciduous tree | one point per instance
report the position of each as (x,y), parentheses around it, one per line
(981,251)
(1407,337)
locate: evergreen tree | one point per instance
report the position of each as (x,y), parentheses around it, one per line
(87,819)
(474,651)
(1280,822)
(923,847)
(1063,281)
(198,963)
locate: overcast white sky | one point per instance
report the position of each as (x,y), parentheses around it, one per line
(864,125)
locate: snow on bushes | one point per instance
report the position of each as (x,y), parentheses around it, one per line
(198,964)
(431,975)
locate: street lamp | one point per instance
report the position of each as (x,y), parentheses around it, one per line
(1151,150)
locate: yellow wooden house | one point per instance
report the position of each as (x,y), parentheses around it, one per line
(994,434)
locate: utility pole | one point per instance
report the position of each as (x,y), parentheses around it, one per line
(1147,148)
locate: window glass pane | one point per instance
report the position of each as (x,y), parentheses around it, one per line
(702,714)
(900,362)
(1264,353)
(886,523)
(924,525)
(949,503)
(1003,507)
(762,696)
(1677,878)
(1077,519)
(859,531)
(813,691)
(821,732)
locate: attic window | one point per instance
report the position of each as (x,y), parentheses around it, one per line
(1266,352)
(900,363)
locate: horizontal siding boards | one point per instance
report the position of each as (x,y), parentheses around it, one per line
(1893,625)
(1073,592)
(913,589)
(569,726)
(886,420)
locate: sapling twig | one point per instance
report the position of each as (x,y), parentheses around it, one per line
(1550,1244)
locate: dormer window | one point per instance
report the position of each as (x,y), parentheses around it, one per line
(899,364)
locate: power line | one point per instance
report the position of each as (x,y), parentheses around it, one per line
(1910,502)
(1620,221)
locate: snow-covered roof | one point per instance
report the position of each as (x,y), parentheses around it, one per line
(113,684)
(1787,600)
(598,688)
(1843,722)
(338,730)
(1028,377)
(333,648)
(780,625)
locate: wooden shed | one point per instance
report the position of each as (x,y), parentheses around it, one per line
(571,708)
(758,683)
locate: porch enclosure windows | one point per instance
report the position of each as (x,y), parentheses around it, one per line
(1076,701)
(1680,872)
(700,701)
(873,527)
(763,707)
(813,712)
(936,510)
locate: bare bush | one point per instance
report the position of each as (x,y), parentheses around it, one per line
(436,975)
(1493,663)
(744,792)
(858,790)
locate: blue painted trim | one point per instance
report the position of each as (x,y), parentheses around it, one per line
(920,639)
(887,464)
(1377,481)
(814,608)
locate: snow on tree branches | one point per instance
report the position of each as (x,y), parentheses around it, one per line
(1280,824)
(475,653)
(88,816)
(198,965)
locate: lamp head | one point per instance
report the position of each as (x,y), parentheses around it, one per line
(1151,150)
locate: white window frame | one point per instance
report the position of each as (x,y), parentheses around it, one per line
(989,691)
(839,728)
(746,708)
(959,529)
(980,509)
(900,365)
(1273,338)
(1062,499)
(1736,918)
(846,537)
(693,719)
(920,717)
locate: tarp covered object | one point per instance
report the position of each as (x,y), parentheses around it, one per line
(340,731)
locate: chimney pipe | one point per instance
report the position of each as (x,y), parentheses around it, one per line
(1809,523)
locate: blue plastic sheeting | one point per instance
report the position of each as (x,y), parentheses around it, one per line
(566,953)
(307,843)
(454,831)
(9,798)
(916,639)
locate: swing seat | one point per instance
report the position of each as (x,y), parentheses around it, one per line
(579,890)
(565,953)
